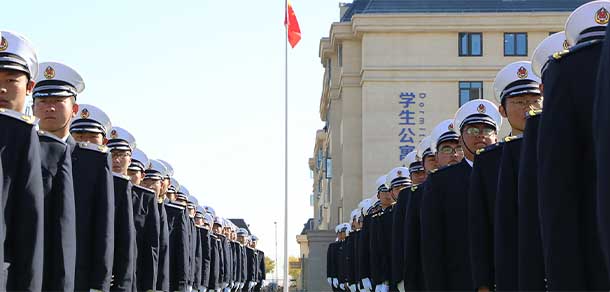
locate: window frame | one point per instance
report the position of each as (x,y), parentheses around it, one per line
(515,44)
(469,44)
(469,87)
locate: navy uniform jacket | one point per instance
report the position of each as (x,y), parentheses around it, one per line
(252,263)
(198,259)
(353,255)
(481,205)
(342,261)
(261,272)
(601,123)
(235,260)
(124,235)
(192,231)
(227,260)
(60,225)
(147,223)
(94,204)
(413,276)
(178,246)
(444,229)
(244,264)
(505,231)
(530,260)
(566,176)
(215,262)
(381,245)
(206,257)
(398,244)
(364,249)
(163,267)
(22,203)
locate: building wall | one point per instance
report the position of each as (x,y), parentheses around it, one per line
(375,62)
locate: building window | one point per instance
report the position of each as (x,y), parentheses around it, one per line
(329,168)
(470,44)
(470,90)
(515,44)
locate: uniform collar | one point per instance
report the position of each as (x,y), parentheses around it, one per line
(468,161)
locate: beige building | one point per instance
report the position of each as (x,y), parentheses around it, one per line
(393,70)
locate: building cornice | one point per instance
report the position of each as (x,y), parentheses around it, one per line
(444,22)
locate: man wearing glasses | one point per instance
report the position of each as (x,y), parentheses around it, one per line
(444,217)
(93,197)
(121,145)
(517,90)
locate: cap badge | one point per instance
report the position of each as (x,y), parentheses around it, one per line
(566,45)
(113,134)
(522,72)
(3,44)
(481,108)
(49,73)
(84,114)
(601,16)
(450,127)
(399,173)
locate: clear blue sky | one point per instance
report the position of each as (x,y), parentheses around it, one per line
(200,84)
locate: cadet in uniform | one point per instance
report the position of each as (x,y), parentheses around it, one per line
(352,249)
(22,195)
(379,247)
(261,271)
(216,255)
(206,257)
(177,221)
(198,248)
(398,220)
(391,235)
(413,273)
(601,143)
(566,181)
(55,105)
(367,254)
(121,146)
(94,198)
(331,262)
(153,179)
(242,238)
(444,217)
(147,224)
(530,262)
(518,90)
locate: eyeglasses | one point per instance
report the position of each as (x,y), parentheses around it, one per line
(450,150)
(536,103)
(121,155)
(472,131)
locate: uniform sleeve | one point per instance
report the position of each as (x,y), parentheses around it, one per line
(122,275)
(197,264)
(163,270)
(24,225)
(481,253)
(206,257)
(412,251)
(432,239)
(179,240)
(398,220)
(505,232)
(363,249)
(151,254)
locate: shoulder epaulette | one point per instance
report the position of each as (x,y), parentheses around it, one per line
(575,48)
(490,148)
(18,116)
(434,170)
(174,206)
(50,136)
(512,138)
(118,175)
(93,147)
(533,113)
(413,188)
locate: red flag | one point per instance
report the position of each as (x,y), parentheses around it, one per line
(292,24)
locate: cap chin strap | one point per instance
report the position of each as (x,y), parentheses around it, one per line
(466,145)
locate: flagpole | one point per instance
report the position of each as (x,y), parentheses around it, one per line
(286,282)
